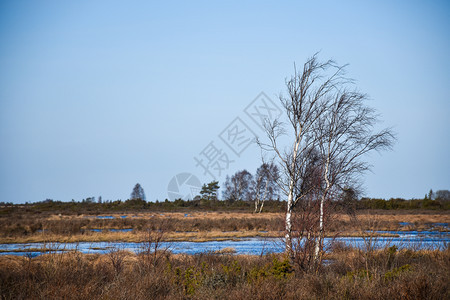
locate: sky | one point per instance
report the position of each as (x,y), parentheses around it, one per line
(96,96)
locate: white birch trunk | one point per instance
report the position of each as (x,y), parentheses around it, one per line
(261,207)
(319,241)
(290,203)
(288,236)
(264,197)
(320,235)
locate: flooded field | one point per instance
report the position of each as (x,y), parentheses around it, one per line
(253,246)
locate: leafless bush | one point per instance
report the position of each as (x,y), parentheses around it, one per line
(307,236)
(412,275)
(117,256)
(154,248)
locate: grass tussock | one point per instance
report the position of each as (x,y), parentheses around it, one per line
(350,274)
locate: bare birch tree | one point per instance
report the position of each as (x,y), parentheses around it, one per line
(345,133)
(322,136)
(265,184)
(306,101)
(239,186)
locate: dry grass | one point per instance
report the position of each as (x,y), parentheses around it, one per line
(196,226)
(352,274)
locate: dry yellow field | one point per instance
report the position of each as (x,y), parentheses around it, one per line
(202,226)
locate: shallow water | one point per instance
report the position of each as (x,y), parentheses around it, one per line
(105,217)
(113,230)
(408,233)
(253,246)
(405,223)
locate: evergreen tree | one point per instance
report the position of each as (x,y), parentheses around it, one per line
(138,192)
(209,191)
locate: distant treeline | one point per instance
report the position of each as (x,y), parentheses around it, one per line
(399,203)
(218,205)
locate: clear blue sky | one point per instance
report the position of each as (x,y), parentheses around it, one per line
(96,96)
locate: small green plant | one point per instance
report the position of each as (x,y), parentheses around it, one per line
(359,274)
(257,274)
(232,272)
(394,273)
(278,269)
(281,269)
(190,281)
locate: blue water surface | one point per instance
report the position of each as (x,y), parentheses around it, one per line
(252,246)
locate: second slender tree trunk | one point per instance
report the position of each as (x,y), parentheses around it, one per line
(288,236)
(319,241)
(320,236)
(264,197)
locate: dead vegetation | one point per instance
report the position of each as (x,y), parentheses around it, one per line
(349,274)
(198,226)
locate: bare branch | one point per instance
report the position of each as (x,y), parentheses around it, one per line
(330,130)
